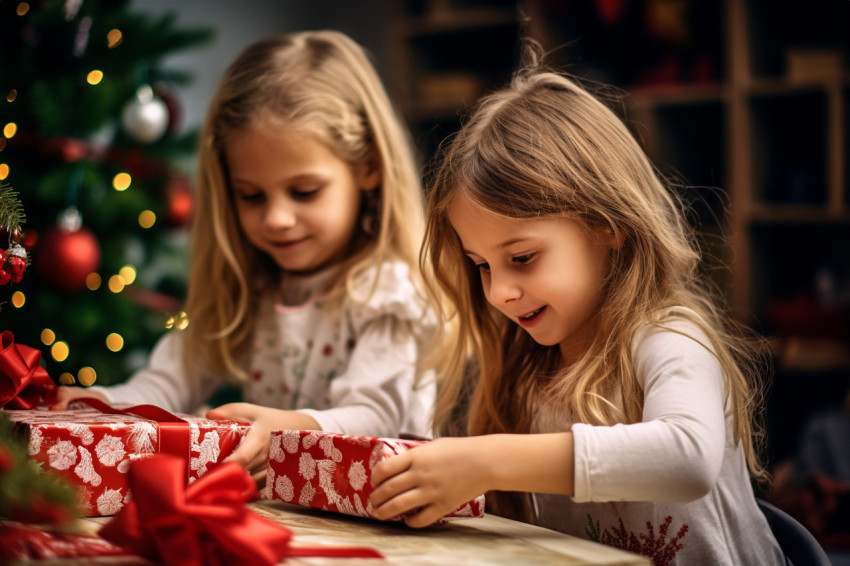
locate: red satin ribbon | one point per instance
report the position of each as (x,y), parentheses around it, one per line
(23,382)
(174,435)
(204,524)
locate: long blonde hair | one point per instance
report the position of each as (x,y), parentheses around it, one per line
(544,146)
(324,83)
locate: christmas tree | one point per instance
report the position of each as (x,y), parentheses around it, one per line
(91,143)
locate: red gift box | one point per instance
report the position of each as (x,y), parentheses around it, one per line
(331,471)
(92,449)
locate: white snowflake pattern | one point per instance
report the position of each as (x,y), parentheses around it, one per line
(326,480)
(326,443)
(284,488)
(62,455)
(209,452)
(81,431)
(110,502)
(310,439)
(36,437)
(306,466)
(142,437)
(290,440)
(85,469)
(276,451)
(357,475)
(308,492)
(110,450)
(194,435)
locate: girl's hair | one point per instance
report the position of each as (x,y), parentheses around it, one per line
(543,147)
(320,83)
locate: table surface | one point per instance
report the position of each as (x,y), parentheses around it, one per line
(467,541)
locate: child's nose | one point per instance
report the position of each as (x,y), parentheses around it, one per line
(280,215)
(503,289)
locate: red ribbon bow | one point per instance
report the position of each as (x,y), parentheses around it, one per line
(204,524)
(23,382)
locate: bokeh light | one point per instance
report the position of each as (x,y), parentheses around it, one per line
(121,181)
(147,219)
(87,376)
(94,77)
(115,342)
(59,351)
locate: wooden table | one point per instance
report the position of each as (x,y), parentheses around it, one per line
(468,541)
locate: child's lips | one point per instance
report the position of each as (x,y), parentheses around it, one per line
(530,319)
(288,243)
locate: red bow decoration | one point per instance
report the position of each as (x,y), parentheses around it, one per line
(23,382)
(206,523)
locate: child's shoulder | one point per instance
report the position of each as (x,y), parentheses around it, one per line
(388,289)
(674,331)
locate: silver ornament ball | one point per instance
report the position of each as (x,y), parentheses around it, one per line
(145,118)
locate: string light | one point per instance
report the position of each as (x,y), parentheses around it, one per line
(93,281)
(23,8)
(128,274)
(147,219)
(116,284)
(121,182)
(4,171)
(10,129)
(114,38)
(115,342)
(18,299)
(87,376)
(94,77)
(60,351)
(47,337)
(66,379)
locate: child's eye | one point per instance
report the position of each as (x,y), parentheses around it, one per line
(249,197)
(304,193)
(524,258)
(485,267)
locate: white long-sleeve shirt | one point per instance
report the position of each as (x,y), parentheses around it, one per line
(678,472)
(353,368)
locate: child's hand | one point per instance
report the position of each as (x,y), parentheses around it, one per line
(67,394)
(253,452)
(430,481)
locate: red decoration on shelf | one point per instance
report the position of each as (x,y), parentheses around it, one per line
(180,202)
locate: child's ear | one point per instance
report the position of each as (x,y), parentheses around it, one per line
(369,172)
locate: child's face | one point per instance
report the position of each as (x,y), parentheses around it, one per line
(544,274)
(296,200)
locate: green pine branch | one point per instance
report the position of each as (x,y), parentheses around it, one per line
(12,215)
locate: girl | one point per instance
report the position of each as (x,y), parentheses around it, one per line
(611,392)
(303,281)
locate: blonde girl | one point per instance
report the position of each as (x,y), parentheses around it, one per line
(303,285)
(613,400)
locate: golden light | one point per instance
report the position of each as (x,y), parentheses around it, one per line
(18,299)
(67,379)
(93,281)
(47,337)
(114,38)
(87,376)
(147,219)
(94,77)
(121,181)
(10,129)
(178,321)
(128,274)
(116,284)
(4,171)
(12,95)
(23,8)
(60,351)
(114,342)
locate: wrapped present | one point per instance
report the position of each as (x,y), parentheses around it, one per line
(332,471)
(92,448)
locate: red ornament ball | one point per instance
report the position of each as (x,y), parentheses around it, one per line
(65,258)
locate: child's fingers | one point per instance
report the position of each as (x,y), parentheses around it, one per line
(423,517)
(389,468)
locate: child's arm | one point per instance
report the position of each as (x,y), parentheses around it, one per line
(253,451)
(432,480)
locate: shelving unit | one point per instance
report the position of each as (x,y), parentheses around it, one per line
(747,102)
